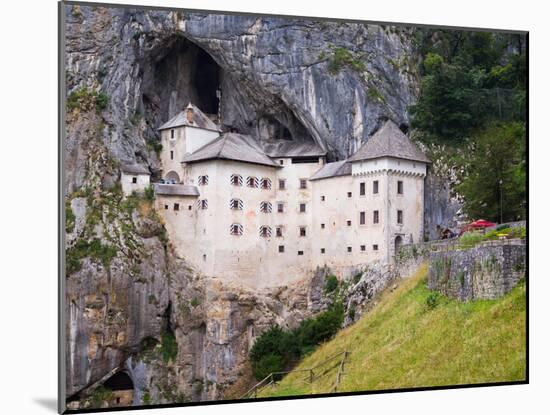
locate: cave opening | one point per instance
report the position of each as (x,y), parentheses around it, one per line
(207,80)
(119,381)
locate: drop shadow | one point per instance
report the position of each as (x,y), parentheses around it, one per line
(48,403)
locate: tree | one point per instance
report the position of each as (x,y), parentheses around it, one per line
(496,176)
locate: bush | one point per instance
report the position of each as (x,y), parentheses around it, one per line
(357,277)
(331,283)
(149,194)
(277,349)
(432,300)
(344,57)
(266,365)
(86,99)
(169,347)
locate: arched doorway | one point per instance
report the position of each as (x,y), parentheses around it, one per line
(398,242)
(172,177)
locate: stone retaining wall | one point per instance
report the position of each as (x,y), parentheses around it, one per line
(488,270)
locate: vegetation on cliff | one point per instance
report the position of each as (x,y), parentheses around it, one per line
(413,338)
(473,102)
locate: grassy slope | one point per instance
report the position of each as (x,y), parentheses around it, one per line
(401,343)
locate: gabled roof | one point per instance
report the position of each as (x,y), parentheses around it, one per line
(176,189)
(291,148)
(389,141)
(337,168)
(231,146)
(134,169)
(200,120)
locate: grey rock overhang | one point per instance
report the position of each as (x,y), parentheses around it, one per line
(290,148)
(176,190)
(232,146)
(335,169)
(200,120)
(134,169)
(389,141)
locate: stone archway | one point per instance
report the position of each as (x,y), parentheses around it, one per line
(172,176)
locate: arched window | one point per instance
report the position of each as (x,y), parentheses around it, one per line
(252,181)
(236,180)
(265,183)
(265,207)
(172,177)
(265,231)
(236,204)
(236,229)
(203,180)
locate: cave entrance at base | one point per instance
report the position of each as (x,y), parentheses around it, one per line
(121,389)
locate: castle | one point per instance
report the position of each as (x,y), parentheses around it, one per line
(267,213)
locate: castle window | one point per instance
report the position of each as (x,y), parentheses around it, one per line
(236,180)
(236,229)
(280,207)
(349,249)
(375,217)
(400,217)
(362,220)
(203,204)
(322,198)
(265,207)
(134,179)
(265,231)
(375,187)
(266,183)
(203,180)
(252,181)
(171,133)
(166,207)
(375,247)
(282,184)
(300,252)
(399,187)
(171,155)
(281,162)
(303,183)
(322,250)
(189,207)
(363,248)
(176,206)
(236,204)
(281,248)
(349,222)
(322,226)
(302,231)
(302,207)
(349,194)
(362,189)
(279,231)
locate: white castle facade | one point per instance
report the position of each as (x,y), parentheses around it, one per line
(266,214)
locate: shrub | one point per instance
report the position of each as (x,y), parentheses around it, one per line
(276,349)
(69,217)
(470,239)
(357,277)
(86,99)
(432,300)
(351,312)
(266,365)
(343,57)
(331,283)
(94,249)
(195,302)
(169,347)
(100,395)
(149,194)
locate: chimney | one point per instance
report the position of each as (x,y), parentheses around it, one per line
(189,113)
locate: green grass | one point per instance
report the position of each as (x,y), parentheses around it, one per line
(404,342)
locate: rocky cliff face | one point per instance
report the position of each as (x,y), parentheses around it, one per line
(127,71)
